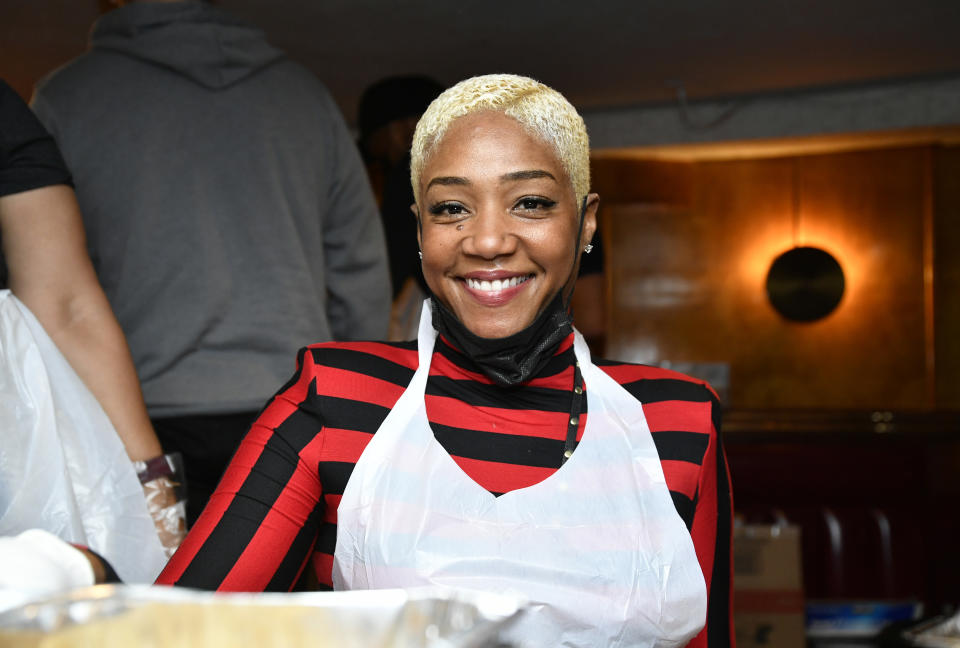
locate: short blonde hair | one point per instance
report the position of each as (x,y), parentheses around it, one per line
(540,110)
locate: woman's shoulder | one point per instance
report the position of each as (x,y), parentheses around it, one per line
(657,383)
(672,401)
(351,385)
(391,362)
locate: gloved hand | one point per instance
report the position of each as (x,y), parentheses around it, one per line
(37,563)
(162,482)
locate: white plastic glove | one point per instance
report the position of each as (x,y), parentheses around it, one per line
(162,482)
(36,564)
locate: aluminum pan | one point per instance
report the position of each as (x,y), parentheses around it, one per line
(393,618)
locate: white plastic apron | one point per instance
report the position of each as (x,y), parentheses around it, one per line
(597,549)
(62,466)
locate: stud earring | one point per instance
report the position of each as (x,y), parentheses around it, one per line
(420,254)
(588,248)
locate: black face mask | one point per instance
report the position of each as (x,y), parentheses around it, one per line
(512,360)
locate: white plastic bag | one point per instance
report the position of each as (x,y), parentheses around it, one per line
(62,466)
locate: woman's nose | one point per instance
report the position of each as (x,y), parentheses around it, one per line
(489,235)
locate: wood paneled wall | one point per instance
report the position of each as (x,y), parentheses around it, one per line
(829,418)
(946,210)
(688,246)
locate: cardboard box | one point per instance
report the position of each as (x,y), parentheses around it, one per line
(768,603)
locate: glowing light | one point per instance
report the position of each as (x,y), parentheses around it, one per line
(828,232)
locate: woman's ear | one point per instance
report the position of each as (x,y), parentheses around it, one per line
(416,214)
(590,218)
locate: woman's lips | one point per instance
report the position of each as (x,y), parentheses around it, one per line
(494,292)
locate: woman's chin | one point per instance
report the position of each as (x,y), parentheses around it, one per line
(495,326)
(493,333)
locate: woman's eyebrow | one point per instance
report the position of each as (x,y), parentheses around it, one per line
(448,180)
(532,174)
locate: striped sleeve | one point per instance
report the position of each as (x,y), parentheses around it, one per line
(712,536)
(261,523)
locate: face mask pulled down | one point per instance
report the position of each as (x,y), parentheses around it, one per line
(515,359)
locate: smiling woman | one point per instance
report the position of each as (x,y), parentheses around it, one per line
(491,454)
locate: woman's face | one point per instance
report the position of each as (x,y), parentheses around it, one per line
(499,224)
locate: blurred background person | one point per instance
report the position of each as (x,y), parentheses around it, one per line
(387,116)
(48,269)
(228,214)
(62,466)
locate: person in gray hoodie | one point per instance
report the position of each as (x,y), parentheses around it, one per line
(228,214)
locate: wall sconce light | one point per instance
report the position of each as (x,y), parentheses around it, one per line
(804,283)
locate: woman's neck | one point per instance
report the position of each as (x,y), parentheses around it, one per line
(458,365)
(513,360)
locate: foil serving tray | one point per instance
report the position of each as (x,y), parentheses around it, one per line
(128,616)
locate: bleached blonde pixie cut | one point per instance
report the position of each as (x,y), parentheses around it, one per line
(541,111)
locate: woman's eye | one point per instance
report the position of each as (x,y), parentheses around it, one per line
(448,209)
(532,203)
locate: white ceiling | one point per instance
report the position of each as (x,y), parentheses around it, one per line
(600,53)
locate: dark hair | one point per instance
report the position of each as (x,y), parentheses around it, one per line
(394,98)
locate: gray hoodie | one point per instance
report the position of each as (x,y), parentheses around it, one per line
(228,214)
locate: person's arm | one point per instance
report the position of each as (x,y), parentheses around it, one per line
(260,526)
(712,536)
(357,272)
(50,272)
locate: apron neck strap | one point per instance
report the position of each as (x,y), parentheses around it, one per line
(426,335)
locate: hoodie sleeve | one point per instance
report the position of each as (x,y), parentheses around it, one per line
(357,275)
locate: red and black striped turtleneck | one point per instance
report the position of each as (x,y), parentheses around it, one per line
(272,519)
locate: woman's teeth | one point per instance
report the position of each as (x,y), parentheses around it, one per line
(495,285)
